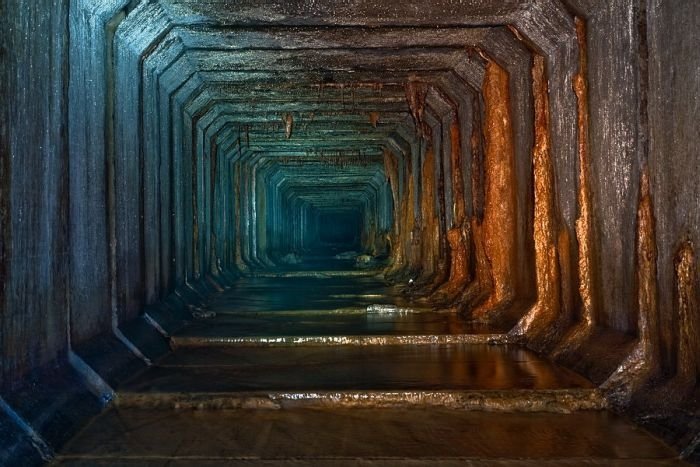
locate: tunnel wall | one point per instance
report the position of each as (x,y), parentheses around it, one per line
(35,250)
(674,144)
(613,45)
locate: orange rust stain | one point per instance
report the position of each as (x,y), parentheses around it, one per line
(457,236)
(402,245)
(539,320)
(644,362)
(411,237)
(288,125)
(646,271)
(374,118)
(500,205)
(483,282)
(430,235)
(457,177)
(584,221)
(415,95)
(686,302)
(391,169)
(475,146)
(567,273)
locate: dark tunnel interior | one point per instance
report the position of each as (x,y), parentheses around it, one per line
(424,217)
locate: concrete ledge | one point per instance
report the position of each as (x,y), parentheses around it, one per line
(289,341)
(556,400)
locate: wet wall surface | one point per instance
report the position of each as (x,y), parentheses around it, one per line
(34,248)
(673,140)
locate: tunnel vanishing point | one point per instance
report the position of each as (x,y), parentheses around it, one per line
(412,214)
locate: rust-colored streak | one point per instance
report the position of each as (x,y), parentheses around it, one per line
(288,125)
(476,163)
(458,235)
(430,229)
(584,221)
(538,323)
(644,361)
(567,276)
(391,168)
(457,177)
(457,238)
(686,301)
(499,223)
(402,243)
(415,95)
(410,240)
(374,119)
(646,272)
(483,281)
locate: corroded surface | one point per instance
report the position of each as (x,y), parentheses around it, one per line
(458,237)
(584,222)
(499,192)
(458,240)
(430,235)
(540,324)
(644,361)
(688,317)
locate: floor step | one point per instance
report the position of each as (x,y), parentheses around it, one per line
(355,327)
(368,437)
(465,376)
(179,342)
(512,400)
(404,367)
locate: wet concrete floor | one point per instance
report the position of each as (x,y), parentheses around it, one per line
(426,367)
(323,306)
(361,437)
(308,347)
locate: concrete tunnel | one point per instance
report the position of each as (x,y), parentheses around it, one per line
(430,216)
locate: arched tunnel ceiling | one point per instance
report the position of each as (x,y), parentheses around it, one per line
(243,88)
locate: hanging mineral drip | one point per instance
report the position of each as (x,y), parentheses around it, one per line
(288,125)
(374,118)
(415,95)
